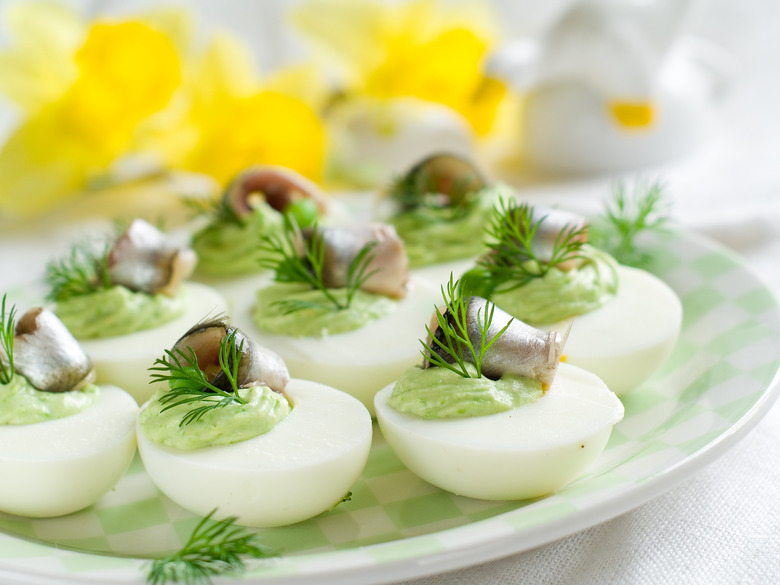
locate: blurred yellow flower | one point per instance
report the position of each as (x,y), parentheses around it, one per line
(418,48)
(120,73)
(94,94)
(233,120)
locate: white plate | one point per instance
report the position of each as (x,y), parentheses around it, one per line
(720,380)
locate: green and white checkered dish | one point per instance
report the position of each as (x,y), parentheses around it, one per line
(721,378)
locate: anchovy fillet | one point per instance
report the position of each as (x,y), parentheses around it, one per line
(47,355)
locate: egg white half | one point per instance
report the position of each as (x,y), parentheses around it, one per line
(357,362)
(625,341)
(522,453)
(124,360)
(60,466)
(303,466)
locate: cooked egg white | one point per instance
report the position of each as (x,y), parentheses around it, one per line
(625,341)
(305,465)
(522,453)
(358,362)
(60,466)
(124,360)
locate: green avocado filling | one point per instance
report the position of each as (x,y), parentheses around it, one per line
(319,318)
(22,404)
(231,248)
(232,423)
(440,393)
(117,311)
(434,235)
(562,294)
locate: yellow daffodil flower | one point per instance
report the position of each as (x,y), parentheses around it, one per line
(418,48)
(232,120)
(120,73)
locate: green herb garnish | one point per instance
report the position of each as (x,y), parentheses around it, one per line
(512,256)
(189,384)
(628,215)
(83,271)
(294,258)
(452,336)
(218,210)
(214,548)
(7,328)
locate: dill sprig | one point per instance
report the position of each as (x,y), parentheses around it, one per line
(296,259)
(7,328)
(627,215)
(217,210)
(214,548)
(189,384)
(82,271)
(452,336)
(512,255)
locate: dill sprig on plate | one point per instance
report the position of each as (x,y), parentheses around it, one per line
(189,384)
(452,335)
(214,548)
(626,215)
(82,271)
(297,259)
(512,256)
(7,328)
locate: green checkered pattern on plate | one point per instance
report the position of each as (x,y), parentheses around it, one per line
(724,361)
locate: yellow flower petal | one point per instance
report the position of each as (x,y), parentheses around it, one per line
(39,67)
(420,49)
(266,128)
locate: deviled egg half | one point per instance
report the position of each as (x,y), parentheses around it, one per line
(622,323)
(343,310)
(128,299)
(64,442)
(492,413)
(440,208)
(232,432)
(254,204)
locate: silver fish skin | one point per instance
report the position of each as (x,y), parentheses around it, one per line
(522,349)
(257,365)
(144,260)
(554,222)
(389,262)
(47,355)
(278,186)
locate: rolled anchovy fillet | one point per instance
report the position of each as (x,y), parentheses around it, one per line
(447,175)
(278,186)
(522,349)
(143,260)
(389,263)
(257,365)
(553,223)
(47,355)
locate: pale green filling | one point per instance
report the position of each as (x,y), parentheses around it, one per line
(118,311)
(562,294)
(430,236)
(440,393)
(263,410)
(321,317)
(22,404)
(230,249)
